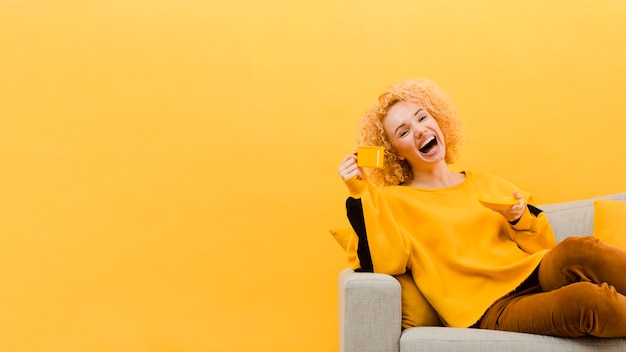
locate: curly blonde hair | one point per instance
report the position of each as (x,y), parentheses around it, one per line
(426,94)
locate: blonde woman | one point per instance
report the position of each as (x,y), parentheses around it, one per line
(478,267)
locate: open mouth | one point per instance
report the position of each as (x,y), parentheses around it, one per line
(428,145)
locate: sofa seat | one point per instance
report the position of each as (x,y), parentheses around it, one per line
(435,339)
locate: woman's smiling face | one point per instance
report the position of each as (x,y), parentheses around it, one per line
(414,134)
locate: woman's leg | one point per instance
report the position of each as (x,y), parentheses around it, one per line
(580,291)
(583,259)
(578,309)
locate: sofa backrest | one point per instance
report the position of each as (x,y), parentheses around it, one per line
(574,218)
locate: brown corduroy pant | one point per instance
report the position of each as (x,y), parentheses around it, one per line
(578,289)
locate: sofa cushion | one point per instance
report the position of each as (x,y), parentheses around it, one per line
(561,215)
(433,339)
(416,311)
(609,223)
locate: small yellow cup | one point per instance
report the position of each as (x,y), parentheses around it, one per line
(370,156)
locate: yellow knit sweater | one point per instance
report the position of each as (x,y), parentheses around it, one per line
(462,255)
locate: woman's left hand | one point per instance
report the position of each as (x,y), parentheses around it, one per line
(516,210)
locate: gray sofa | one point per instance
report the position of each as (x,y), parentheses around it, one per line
(370,308)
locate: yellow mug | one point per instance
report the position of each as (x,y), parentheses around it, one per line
(369,156)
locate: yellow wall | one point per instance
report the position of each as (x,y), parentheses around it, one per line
(168,168)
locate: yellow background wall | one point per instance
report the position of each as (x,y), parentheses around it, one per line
(168,168)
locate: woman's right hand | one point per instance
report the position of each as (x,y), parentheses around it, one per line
(349,168)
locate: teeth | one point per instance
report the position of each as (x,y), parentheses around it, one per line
(426,142)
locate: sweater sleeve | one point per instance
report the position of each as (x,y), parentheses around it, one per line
(532,232)
(380,245)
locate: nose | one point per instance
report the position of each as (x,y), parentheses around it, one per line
(419,131)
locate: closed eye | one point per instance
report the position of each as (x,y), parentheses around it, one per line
(402,130)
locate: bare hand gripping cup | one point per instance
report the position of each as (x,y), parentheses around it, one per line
(370,156)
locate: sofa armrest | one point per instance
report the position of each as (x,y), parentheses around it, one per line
(370,312)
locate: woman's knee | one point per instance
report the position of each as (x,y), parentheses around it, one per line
(595,307)
(590,296)
(568,261)
(578,309)
(577,245)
